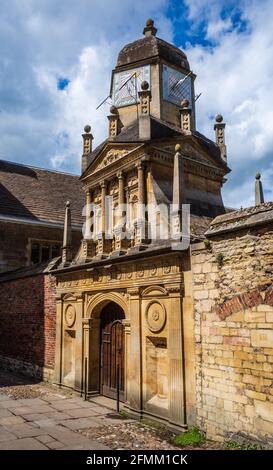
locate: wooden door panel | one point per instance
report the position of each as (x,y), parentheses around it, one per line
(112,351)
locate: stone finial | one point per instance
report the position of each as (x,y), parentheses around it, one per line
(67,237)
(114,122)
(185,116)
(149,29)
(144,117)
(219,128)
(259,195)
(87,146)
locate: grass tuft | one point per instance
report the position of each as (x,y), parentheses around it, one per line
(192,437)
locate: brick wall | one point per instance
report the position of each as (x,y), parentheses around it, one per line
(27,322)
(233,310)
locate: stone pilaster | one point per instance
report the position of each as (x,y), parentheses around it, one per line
(144,117)
(114,122)
(178,189)
(185,117)
(59,340)
(127,339)
(176,358)
(91,351)
(135,378)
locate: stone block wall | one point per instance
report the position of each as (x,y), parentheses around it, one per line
(27,325)
(233,309)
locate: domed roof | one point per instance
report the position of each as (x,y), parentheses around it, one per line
(151,47)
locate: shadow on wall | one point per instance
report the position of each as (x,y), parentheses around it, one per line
(27,325)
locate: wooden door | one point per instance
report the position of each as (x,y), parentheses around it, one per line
(112,351)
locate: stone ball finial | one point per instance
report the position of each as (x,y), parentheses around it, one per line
(113,109)
(258,176)
(144,85)
(219,118)
(185,103)
(67,204)
(177,148)
(149,22)
(87,128)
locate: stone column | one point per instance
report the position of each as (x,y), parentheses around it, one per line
(140,237)
(121,243)
(135,378)
(103,196)
(176,357)
(103,244)
(67,237)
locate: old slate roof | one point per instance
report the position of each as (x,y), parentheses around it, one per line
(242,219)
(152,47)
(39,194)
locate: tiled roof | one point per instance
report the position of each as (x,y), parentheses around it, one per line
(39,194)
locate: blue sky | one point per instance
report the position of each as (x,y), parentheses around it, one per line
(56,60)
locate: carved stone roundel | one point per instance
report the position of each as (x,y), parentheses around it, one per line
(70,315)
(156,317)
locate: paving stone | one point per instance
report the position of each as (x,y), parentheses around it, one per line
(101,410)
(24,430)
(41,408)
(10,403)
(11,420)
(4,412)
(91,445)
(21,410)
(79,423)
(32,401)
(45,439)
(55,445)
(23,444)
(5,435)
(45,422)
(3,397)
(57,415)
(64,405)
(82,413)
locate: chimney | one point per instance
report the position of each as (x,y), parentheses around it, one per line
(114,122)
(219,128)
(149,29)
(185,117)
(67,238)
(87,147)
(259,195)
(144,116)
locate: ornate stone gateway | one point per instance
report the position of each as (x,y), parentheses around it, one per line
(112,351)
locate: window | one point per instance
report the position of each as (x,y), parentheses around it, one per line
(41,251)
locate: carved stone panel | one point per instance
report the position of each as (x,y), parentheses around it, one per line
(70,315)
(155,316)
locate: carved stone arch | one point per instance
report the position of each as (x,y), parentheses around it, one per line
(99,301)
(151,291)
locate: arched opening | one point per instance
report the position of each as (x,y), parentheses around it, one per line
(112,351)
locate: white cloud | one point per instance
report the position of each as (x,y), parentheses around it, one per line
(235,77)
(43,40)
